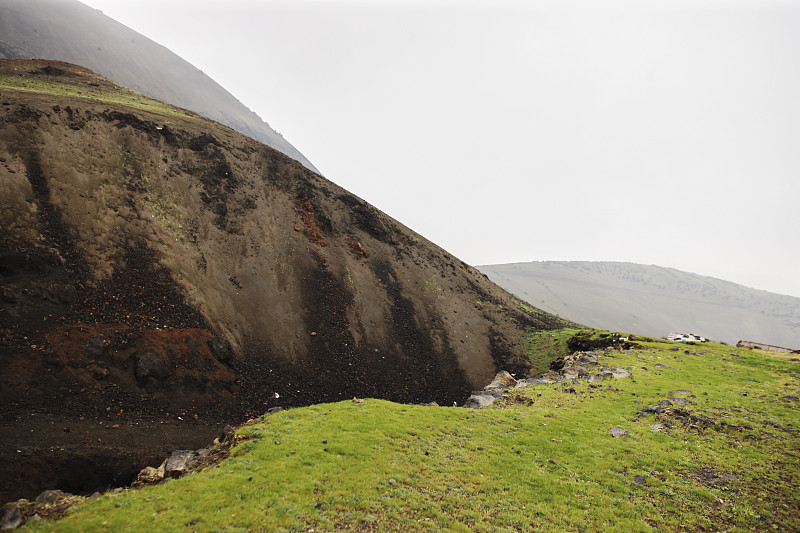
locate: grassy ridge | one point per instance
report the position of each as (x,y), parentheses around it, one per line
(28,77)
(542,459)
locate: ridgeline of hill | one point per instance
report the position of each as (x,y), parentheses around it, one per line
(163,275)
(67,30)
(651,300)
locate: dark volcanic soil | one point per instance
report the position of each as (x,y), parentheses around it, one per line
(92,454)
(167,275)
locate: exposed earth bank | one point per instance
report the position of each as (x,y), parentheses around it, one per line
(164,274)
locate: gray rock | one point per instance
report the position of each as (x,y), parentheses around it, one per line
(495,385)
(11,517)
(618,432)
(149,365)
(540,381)
(571,372)
(492,393)
(659,365)
(49,496)
(659,407)
(658,427)
(479,401)
(672,393)
(620,373)
(681,401)
(600,377)
(178,463)
(202,452)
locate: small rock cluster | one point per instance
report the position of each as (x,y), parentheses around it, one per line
(173,466)
(49,504)
(181,462)
(577,366)
(668,413)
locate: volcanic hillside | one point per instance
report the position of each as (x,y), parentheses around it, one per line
(159,268)
(68,30)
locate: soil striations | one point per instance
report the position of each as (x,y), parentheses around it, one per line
(162,275)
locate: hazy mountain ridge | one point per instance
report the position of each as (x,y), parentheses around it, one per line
(67,30)
(652,300)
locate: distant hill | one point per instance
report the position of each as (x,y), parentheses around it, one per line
(652,300)
(67,30)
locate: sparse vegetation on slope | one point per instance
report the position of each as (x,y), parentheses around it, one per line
(70,81)
(725,457)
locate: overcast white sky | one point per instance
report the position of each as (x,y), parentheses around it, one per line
(657,132)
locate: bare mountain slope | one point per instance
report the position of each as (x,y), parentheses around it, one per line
(67,30)
(159,270)
(652,300)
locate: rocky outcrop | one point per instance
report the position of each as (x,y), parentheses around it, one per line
(180,462)
(576,366)
(51,504)
(174,466)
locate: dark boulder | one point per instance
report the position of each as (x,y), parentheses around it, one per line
(95,349)
(149,365)
(221,350)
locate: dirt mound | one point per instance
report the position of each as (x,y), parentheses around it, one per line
(157,266)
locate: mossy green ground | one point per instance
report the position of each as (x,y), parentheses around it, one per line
(542,460)
(103,91)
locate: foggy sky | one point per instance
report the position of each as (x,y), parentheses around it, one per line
(656,132)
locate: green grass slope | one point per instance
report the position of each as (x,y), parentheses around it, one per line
(540,460)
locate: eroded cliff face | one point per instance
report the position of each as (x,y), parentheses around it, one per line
(157,264)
